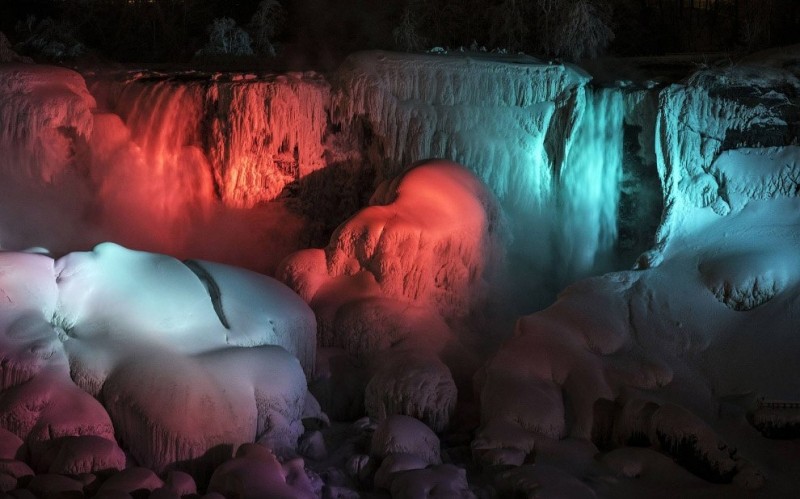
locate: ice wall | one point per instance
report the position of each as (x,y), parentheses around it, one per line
(548,146)
(253,134)
(42,110)
(716,110)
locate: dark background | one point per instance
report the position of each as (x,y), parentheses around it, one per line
(318,33)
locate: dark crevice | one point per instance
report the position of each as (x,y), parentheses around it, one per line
(211,286)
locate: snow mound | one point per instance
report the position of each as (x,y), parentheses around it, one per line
(405,435)
(415,385)
(428,238)
(186,358)
(256,473)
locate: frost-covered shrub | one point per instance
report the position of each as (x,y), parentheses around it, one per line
(265,24)
(50,39)
(407,35)
(226,38)
(585,30)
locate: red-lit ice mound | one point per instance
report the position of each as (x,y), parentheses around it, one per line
(186,359)
(395,274)
(673,356)
(427,238)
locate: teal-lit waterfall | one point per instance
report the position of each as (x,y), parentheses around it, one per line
(588,185)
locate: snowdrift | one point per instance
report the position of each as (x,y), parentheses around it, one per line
(180,362)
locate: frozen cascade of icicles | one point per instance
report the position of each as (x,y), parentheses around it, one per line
(251,137)
(589,184)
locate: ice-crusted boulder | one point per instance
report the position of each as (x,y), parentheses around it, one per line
(428,238)
(256,473)
(178,361)
(393,275)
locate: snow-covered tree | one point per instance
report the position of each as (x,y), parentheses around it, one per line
(265,24)
(584,31)
(226,38)
(407,34)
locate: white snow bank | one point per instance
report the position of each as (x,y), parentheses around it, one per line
(186,357)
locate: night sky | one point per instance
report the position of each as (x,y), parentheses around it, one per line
(321,32)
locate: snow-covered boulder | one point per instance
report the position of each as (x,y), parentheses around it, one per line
(405,435)
(429,237)
(186,359)
(256,473)
(131,480)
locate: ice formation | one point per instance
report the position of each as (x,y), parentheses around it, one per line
(394,274)
(142,333)
(252,136)
(682,343)
(535,133)
(671,373)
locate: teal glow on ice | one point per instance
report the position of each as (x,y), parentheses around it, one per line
(589,184)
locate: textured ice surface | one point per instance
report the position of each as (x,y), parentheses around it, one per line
(254,136)
(713,322)
(546,145)
(394,273)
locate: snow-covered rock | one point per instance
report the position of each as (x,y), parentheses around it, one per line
(256,473)
(442,481)
(405,435)
(131,480)
(420,386)
(188,360)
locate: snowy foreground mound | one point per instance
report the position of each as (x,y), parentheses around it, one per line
(178,362)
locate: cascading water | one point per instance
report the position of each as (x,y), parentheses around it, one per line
(589,186)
